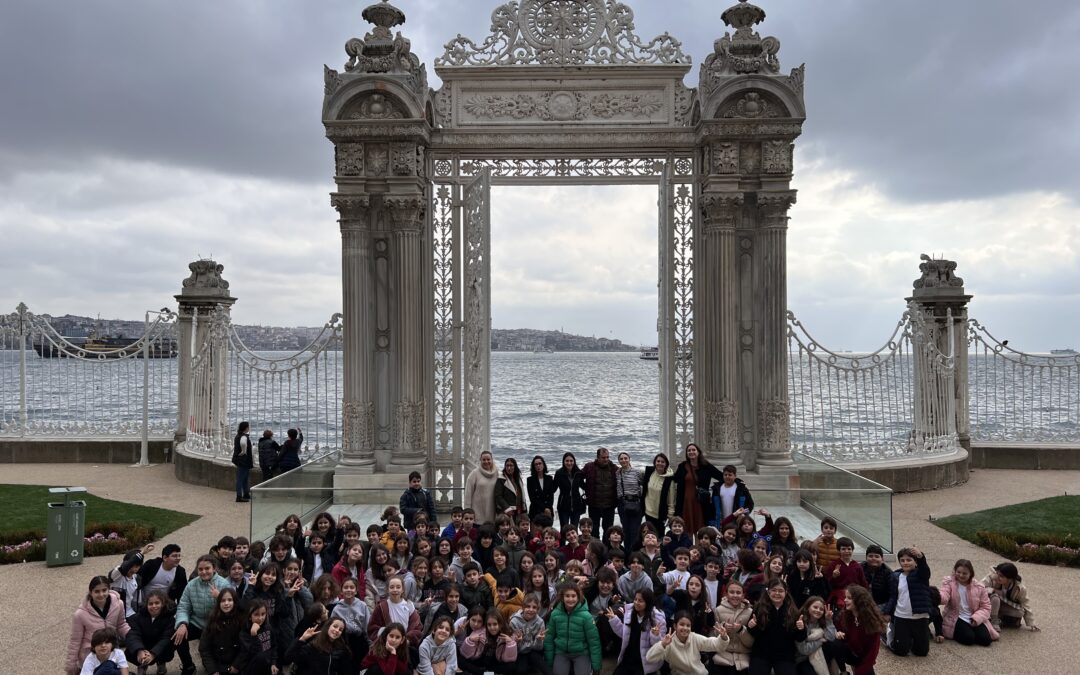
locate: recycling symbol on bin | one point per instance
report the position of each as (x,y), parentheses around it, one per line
(74,553)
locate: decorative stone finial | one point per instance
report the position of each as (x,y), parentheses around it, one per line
(743,53)
(380,51)
(205,282)
(743,15)
(938,274)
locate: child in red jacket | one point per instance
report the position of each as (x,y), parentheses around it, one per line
(859,631)
(389,655)
(843,573)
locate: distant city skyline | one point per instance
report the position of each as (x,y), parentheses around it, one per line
(931,128)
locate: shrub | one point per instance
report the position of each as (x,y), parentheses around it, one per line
(1039,549)
(100,539)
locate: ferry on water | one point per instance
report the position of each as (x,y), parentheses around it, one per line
(650,354)
(106,348)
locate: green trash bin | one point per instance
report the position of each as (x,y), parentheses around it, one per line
(65,530)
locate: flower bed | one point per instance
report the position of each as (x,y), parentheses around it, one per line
(100,539)
(1039,549)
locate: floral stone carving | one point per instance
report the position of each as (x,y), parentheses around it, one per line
(205,279)
(561,106)
(562,33)
(937,274)
(350,159)
(776,156)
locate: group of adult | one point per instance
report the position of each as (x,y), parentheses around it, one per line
(696,490)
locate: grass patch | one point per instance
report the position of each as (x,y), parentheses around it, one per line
(24,509)
(1043,531)
(111,527)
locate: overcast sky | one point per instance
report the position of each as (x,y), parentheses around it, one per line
(136,137)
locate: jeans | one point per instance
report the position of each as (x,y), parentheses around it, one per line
(242,488)
(631,525)
(565,664)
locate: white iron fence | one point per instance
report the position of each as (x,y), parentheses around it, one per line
(892,403)
(1020,397)
(98,386)
(231,383)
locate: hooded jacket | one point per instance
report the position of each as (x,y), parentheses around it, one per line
(480,494)
(86,621)
(978,602)
(431,653)
(311,661)
(572,632)
(153,635)
(477,641)
(737,651)
(685,657)
(511,605)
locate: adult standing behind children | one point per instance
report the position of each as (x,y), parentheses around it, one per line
(600,491)
(692,493)
(510,490)
(415,499)
(289,458)
(570,504)
(480,489)
(242,458)
(628,487)
(541,488)
(269,449)
(657,493)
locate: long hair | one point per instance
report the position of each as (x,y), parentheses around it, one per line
(379,648)
(803,554)
(515,476)
(97,581)
(545,591)
(865,613)
(667,462)
(783,520)
(498,616)
(325,644)
(378,570)
(269,566)
(700,454)
(764,606)
(804,611)
(650,604)
(532,466)
(562,465)
(167,605)
(219,621)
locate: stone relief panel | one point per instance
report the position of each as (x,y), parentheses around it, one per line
(750,158)
(725,158)
(776,156)
(403,159)
(773,424)
(350,159)
(374,107)
(378,160)
(563,106)
(753,105)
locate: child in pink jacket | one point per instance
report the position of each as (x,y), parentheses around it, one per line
(966,603)
(102,608)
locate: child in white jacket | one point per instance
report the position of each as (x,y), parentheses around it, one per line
(682,650)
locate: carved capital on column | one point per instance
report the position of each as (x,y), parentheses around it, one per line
(409,426)
(721,211)
(359,430)
(406,213)
(722,427)
(352,210)
(774,208)
(774,432)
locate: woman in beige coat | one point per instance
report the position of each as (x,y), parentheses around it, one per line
(480,489)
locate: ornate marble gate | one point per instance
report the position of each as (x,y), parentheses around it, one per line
(560,92)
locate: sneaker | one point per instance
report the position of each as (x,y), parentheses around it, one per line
(243,499)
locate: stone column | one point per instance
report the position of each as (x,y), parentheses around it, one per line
(939,294)
(410,418)
(716,326)
(202,294)
(774,434)
(358,406)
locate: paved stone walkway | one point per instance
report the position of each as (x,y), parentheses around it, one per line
(36,603)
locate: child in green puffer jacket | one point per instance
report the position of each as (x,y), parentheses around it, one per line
(572,642)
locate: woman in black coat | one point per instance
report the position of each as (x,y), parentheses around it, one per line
(569,481)
(658,478)
(541,489)
(696,474)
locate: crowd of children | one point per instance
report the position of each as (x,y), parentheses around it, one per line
(520,596)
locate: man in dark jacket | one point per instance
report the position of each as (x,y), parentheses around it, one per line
(600,491)
(268,454)
(416,500)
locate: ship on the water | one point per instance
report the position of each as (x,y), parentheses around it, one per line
(1064,352)
(116,347)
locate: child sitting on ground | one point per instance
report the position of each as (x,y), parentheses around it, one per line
(104,658)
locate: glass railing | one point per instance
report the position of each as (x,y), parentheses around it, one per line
(861,507)
(309,490)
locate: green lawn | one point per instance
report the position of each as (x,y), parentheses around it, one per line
(23,508)
(1055,516)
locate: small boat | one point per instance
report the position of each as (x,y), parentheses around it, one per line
(1064,352)
(650,354)
(543,350)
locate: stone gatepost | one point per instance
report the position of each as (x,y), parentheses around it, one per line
(378,114)
(203,294)
(939,295)
(751,115)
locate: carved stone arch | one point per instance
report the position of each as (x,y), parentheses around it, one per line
(356,99)
(784,102)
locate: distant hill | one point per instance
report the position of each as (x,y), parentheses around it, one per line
(276,338)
